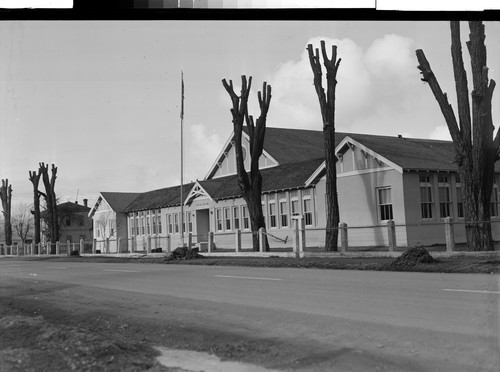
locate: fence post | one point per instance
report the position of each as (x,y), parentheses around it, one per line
(190,240)
(82,246)
(24,249)
(344,243)
(296,239)
(391,231)
(262,245)
(210,241)
(57,248)
(450,234)
(49,247)
(302,235)
(119,245)
(237,243)
(169,242)
(68,247)
(148,244)
(94,243)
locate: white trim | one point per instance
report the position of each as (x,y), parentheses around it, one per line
(315,174)
(225,149)
(195,194)
(349,141)
(364,171)
(96,205)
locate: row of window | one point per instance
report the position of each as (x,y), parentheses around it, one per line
(174,221)
(145,223)
(445,202)
(276,212)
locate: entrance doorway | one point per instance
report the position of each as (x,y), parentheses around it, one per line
(202,225)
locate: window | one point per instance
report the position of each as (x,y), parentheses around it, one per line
(227,218)
(246,220)
(98,232)
(159,222)
(385,204)
(142,225)
(283,209)
(189,222)
(272,213)
(131,225)
(153,219)
(176,223)
(67,221)
(148,225)
(264,209)
(460,199)
(236,217)
(306,195)
(426,203)
(136,224)
(294,201)
(169,223)
(444,197)
(218,220)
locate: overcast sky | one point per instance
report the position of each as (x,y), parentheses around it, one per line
(101,99)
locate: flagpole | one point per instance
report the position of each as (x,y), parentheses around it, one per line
(182,159)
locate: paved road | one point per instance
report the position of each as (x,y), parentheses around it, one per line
(447,319)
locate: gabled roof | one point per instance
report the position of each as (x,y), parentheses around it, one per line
(294,145)
(161,198)
(118,201)
(283,177)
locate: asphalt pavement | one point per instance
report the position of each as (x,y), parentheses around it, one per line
(443,316)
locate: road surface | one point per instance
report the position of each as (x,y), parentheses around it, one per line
(353,320)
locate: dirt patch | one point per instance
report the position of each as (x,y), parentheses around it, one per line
(411,258)
(183,253)
(32,343)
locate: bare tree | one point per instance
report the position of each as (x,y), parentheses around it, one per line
(22,221)
(51,200)
(476,150)
(35,180)
(327,105)
(250,185)
(103,221)
(6,196)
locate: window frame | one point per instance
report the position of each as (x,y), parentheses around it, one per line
(218,219)
(384,208)
(445,206)
(236,217)
(427,205)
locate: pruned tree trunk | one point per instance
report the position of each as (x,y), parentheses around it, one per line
(476,150)
(51,201)
(35,180)
(327,105)
(6,196)
(251,186)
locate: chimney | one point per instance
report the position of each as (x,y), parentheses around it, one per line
(85,202)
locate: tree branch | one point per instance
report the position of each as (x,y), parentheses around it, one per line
(429,77)
(461,84)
